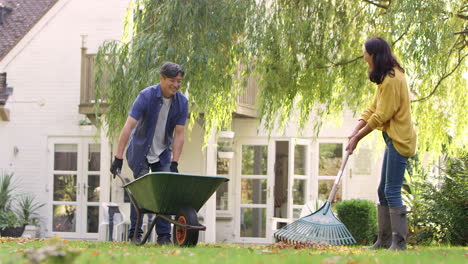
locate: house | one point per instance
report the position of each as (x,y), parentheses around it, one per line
(55,152)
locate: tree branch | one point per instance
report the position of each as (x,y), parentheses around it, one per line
(340,63)
(461,32)
(440,81)
(402,35)
(462,16)
(376,4)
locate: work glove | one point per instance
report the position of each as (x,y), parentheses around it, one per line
(174,166)
(116,167)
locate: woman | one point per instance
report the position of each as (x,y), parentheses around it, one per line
(390,112)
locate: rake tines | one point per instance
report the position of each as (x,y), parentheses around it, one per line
(321,227)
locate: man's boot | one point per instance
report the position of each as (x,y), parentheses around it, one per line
(384,238)
(399,227)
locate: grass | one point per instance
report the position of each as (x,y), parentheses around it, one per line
(20,250)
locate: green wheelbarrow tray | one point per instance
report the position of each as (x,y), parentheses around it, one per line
(167,192)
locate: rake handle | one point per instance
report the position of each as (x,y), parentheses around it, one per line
(338,178)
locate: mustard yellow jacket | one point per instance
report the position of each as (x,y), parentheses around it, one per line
(391,112)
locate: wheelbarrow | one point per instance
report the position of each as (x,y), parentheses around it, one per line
(168,193)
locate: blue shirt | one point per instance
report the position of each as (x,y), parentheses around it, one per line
(146,109)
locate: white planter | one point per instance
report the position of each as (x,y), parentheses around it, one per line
(225,155)
(31,231)
(226,134)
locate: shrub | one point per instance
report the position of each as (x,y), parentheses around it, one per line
(360,217)
(439,203)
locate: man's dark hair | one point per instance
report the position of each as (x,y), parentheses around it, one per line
(170,70)
(383,59)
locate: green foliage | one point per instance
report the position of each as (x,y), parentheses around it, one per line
(9,219)
(439,203)
(16,210)
(307,54)
(6,191)
(28,209)
(360,217)
(206,37)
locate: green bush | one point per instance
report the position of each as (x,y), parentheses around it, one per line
(439,203)
(360,217)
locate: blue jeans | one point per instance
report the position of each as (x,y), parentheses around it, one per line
(393,172)
(163,227)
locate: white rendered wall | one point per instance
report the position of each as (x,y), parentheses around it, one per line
(44,70)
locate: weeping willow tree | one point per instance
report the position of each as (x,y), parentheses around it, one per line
(308,54)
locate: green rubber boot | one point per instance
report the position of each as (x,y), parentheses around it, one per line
(384,237)
(399,227)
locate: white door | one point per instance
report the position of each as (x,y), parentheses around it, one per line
(254,191)
(299,176)
(74,187)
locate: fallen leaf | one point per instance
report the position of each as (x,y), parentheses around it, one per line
(331,260)
(174,252)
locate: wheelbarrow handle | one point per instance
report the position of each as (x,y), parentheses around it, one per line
(118,174)
(132,199)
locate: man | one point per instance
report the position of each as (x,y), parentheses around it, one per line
(155,122)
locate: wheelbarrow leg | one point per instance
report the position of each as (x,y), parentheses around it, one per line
(148,232)
(137,225)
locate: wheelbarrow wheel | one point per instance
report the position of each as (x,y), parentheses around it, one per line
(185,237)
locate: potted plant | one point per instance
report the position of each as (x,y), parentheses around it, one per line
(28,214)
(225,151)
(10,224)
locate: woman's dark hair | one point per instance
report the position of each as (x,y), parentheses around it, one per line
(382,58)
(170,70)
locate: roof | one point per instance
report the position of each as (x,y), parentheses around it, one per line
(18,17)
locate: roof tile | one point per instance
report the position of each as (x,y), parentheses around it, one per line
(23,16)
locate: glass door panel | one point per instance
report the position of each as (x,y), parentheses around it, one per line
(254,191)
(64,218)
(65,188)
(93,219)
(300,178)
(222,193)
(76,182)
(92,187)
(66,157)
(253,222)
(330,158)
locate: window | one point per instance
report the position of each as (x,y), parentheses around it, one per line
(330,158)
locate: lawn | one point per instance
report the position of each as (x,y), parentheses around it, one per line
(19,250)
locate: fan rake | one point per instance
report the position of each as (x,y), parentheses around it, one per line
(321,227)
